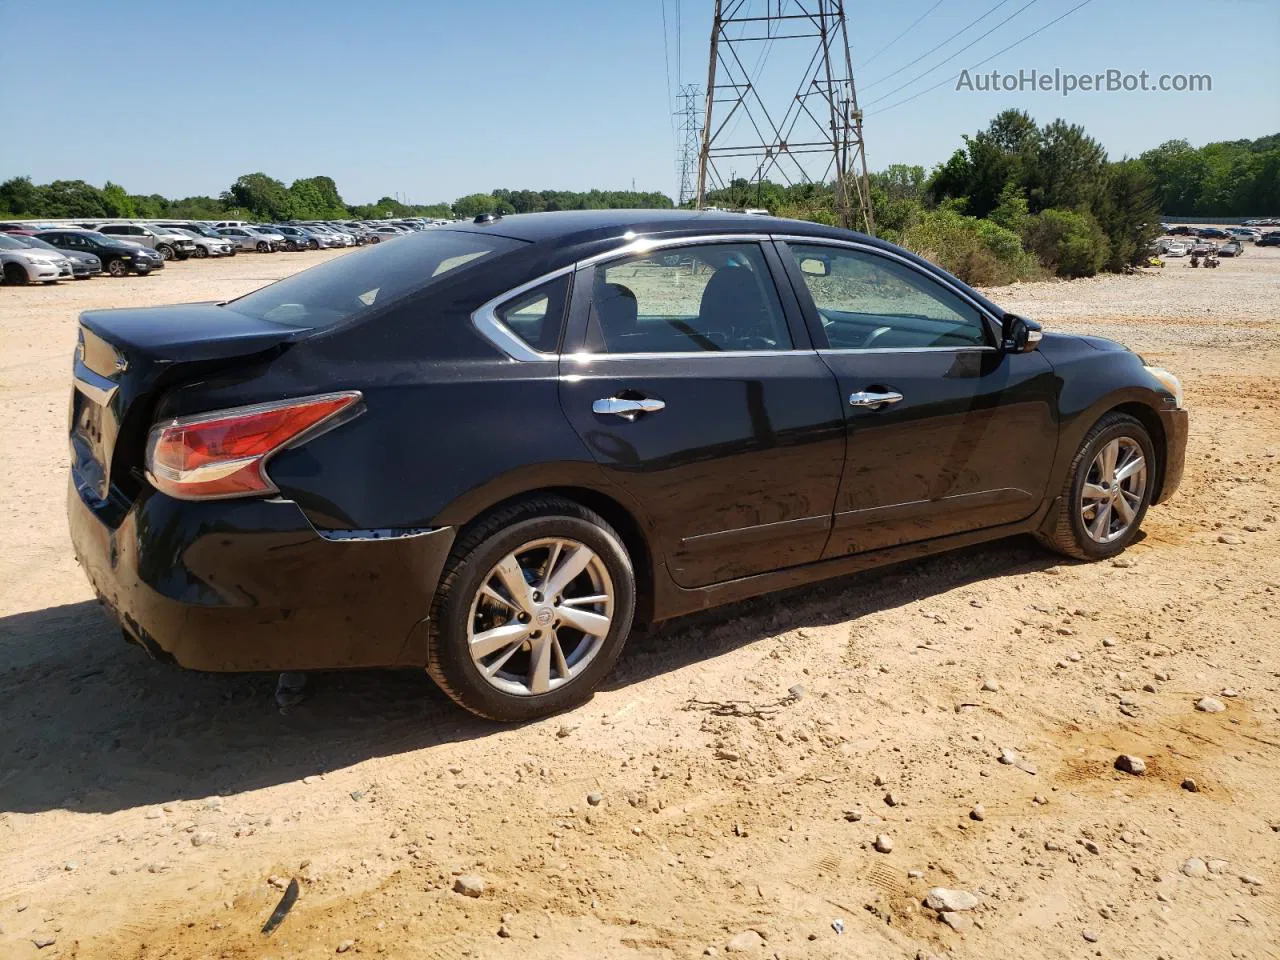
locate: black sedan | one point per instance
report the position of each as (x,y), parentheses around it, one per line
(487,449)
(117,257)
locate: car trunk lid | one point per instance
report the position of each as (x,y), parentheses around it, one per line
(124,358)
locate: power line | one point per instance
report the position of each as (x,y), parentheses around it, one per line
(919,76)
(886,47)
(980,63)
(931,50)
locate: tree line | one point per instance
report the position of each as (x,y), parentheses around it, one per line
(256,196)
(1016,201)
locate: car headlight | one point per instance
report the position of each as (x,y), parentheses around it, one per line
(1170,382)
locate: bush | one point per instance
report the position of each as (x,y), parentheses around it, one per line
(1068,243)
(979,252)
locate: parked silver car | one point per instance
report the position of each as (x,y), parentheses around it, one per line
(250,238)
(83,265)
(208,244)
(22,264)
(171,246)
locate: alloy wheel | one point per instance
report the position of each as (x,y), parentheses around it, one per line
(1113,490)
(540,616)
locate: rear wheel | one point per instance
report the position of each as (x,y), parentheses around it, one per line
(532,611)
(1107,491)
(263,246)
(15,274)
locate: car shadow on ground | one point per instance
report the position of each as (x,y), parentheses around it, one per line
(93,725)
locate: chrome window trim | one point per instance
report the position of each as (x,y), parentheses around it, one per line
(581,357)
(487,324)
(643,245)
(485,320)
(889,254)
(965,349)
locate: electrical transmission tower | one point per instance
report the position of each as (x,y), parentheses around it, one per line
(821,122)
(690,137)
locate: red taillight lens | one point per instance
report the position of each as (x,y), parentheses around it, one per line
(223,453)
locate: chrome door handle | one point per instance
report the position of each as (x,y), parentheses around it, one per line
(873,400)
(629,409)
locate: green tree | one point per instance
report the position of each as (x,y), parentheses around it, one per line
(20,197)
(1067,242)
(117,202)
(1130,215)
(264,197)
(475,204)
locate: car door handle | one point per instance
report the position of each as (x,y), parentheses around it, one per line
(628,409)
(874,400)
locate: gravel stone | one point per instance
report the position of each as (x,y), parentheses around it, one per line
(884,843)
(748,941)
(345,945)
(469,885)
(990,686)
(1210,705)
(1128,763)
(1195,868)
(979,812)
(947,901)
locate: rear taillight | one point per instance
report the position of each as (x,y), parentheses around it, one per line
(224,453)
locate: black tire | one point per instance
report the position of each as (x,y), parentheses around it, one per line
(478,549)
(202,252)
(166,251)
(16,274)
(263,247)
(117,267)
(375,239)
(313,244)
(1069,535)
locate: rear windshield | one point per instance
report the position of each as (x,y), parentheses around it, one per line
(340,289)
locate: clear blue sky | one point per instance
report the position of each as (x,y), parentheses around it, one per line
(436,99)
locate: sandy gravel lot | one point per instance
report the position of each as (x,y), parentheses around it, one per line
(150,813)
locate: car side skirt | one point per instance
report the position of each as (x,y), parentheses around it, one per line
(671,600)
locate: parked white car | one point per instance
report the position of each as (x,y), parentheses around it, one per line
(22,264)
(1176,248)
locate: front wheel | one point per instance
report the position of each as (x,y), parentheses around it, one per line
(165,251)
(117,267)
(313,244)
(15,273)
(532,611)
(263,246)
(202,252)
(1107,491)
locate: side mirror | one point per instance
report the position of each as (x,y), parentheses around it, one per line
(1020,334)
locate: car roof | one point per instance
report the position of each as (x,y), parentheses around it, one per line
(577,226)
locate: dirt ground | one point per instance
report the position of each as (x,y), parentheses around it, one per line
(151,813)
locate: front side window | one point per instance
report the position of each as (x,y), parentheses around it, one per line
(708,298)
(869,302)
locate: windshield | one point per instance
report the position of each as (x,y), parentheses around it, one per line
(37,242)
(9,243)
(340,289)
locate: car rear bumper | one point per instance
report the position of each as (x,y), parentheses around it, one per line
(1175,423)
(245,585)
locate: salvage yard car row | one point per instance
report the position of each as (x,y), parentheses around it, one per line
(46,252)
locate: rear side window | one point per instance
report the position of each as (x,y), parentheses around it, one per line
(341,289)
(536,316)
(706,298)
